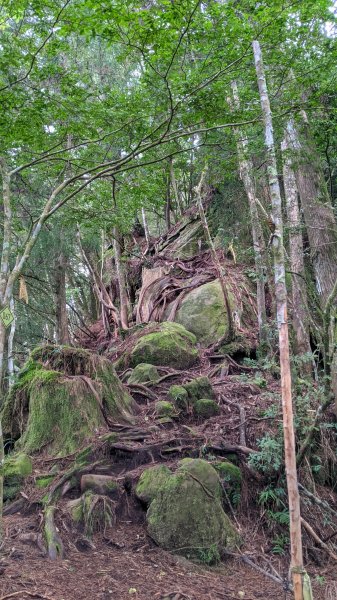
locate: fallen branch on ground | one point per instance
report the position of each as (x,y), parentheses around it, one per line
(317,539)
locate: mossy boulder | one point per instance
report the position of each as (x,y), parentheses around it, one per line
(206,408)
(144,373)
(58,409)
(199,388)
(203,312)
(151,482)
(186,516)
(195,397)
(167,344)
(165,409)
(179,395)
(16,468)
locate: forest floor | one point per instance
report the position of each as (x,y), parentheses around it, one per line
(124,562)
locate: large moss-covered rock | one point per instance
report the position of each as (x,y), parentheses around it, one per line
(151,482)
(144,373)
(63,396)
(16,468)
(186,514)
(203,312)
(167,344)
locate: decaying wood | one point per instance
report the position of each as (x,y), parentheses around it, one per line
(317,539)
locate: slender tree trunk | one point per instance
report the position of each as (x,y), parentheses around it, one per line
(10,360)
(281,305)
(175,187)
(246,174)
(298,287)
(62,329)
(146,227)
(168,204)
(123,295)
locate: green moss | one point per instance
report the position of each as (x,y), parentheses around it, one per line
(144,373)
(164,409)
(151,482)
(62,414)
(199,388)
(228,471)
(44,481)
(18,465)
(60,410)
(203,312)
(231,478)
(186,516)
(171,345)
(16,468)
(179,395)
(206,408)
(195,396)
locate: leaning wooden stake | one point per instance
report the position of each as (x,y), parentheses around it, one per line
(281,306)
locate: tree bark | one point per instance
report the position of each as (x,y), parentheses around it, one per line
(300,312)
(123,295)
(216,262)
(62,329)
(10,360)
(281,306)
(247,177)
(317,209)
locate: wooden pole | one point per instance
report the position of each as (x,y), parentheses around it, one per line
(282,322)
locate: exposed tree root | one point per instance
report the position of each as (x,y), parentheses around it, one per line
(53,540)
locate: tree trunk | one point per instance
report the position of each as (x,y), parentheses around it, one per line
(10,360)
(146,227)
(175,188)
(300,312)
(123,295)
(281,306)
(168,204)
(198,190)
(62,329)
(246,174)
(2,460)
(317,210)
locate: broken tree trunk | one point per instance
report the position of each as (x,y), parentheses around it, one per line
(281,307)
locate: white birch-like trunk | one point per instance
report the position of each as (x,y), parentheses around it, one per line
(10,346)
(247,177)
(300,309)
(282,322)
